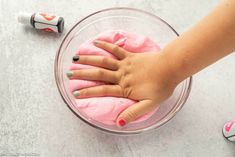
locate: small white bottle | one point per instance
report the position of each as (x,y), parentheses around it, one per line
(43,21)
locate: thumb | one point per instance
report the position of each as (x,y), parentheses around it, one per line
(133,112)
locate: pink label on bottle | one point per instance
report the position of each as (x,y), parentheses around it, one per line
(46,19)
(46,27)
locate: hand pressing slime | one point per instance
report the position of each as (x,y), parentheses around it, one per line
(112,82)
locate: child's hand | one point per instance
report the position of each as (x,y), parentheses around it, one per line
(139,76)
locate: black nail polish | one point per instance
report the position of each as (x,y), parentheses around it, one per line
(75,58)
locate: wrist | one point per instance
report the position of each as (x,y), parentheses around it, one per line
(174,64)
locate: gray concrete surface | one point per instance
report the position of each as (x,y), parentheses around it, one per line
(34,121)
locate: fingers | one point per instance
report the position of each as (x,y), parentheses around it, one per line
(99,61)
(95,74)
(98,91)
(117,51)
(135,111)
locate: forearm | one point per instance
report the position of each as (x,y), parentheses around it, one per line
(208,41)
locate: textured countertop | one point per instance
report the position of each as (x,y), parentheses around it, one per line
(34,121)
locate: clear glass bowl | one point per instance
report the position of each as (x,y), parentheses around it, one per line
(130,20)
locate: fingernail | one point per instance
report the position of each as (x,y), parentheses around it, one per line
(76,93)
(69,73)
(75,58)
(122,122)
(96,42)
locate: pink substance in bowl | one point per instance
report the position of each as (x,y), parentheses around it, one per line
(106,109)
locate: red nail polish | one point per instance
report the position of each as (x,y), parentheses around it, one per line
(122,122)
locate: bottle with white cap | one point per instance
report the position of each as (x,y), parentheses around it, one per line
(43,21)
